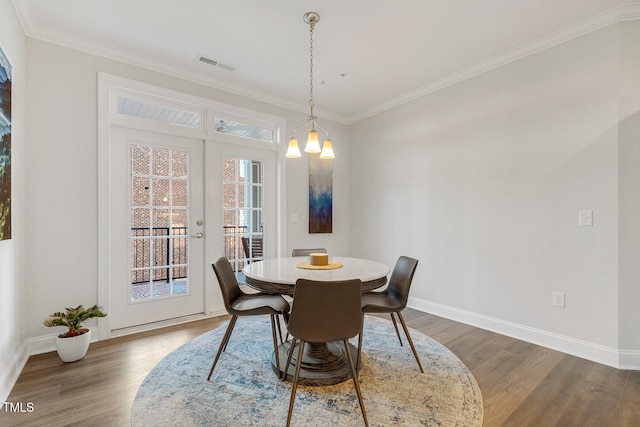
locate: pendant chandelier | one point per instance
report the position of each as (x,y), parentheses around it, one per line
(313,145)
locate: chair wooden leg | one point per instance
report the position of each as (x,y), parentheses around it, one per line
(286,366)
(223,344)
(275,340)
(395,325)
(354,375)
(406,332)
(294,386)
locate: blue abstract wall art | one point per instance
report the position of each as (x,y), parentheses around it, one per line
(5,147)
(320,194)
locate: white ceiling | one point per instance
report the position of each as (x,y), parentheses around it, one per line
(368,55)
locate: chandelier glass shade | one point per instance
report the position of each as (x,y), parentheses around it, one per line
(313,142)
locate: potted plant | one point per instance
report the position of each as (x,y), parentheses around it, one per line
(73,344)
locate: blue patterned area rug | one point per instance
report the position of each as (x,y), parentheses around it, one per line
(244,390)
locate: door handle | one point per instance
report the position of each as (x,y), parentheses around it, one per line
(198,235)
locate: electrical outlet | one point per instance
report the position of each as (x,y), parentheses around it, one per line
(558,299)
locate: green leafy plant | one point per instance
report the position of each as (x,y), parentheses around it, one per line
(72,319)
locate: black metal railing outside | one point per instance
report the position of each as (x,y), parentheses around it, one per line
(168,258)
(160,264)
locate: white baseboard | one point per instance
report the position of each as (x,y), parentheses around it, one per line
(620,359)
(9,374)
(47,343)
(630,359)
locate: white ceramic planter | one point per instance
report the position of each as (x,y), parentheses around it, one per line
(73,348)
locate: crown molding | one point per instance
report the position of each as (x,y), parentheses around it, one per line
(76,42)
(627,12)
(24,14)
(622,13)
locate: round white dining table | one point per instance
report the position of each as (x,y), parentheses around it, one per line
(322,363)
(279,275)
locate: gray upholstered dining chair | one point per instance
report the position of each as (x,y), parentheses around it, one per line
(307,252)
(324,312)
(393,299)
(238,304)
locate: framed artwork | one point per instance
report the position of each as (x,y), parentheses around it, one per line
(5,147)
(320,194)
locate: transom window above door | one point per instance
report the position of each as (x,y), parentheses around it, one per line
(158,112)
(243,130)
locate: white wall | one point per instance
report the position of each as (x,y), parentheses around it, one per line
(12,283)
(483,181)
(629,128)
(62,177)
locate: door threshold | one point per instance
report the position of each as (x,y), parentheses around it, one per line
(161,324)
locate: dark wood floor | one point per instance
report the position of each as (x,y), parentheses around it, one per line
(522,384)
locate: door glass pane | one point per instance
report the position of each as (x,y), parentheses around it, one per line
(140,191)
(179,192)
(243,212)
(256,172)
(140,159)
(179,164)
(256,196)
(179,221)
(159,226)
(229,199)
(160,161)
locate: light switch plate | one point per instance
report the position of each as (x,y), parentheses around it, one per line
(585,218)
(294,217)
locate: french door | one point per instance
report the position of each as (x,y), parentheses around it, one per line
(161,206)
(157,227)
(243,222)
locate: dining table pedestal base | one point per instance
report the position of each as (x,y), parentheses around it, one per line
(322,363)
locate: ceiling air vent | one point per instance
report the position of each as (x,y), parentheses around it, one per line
(215,63)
